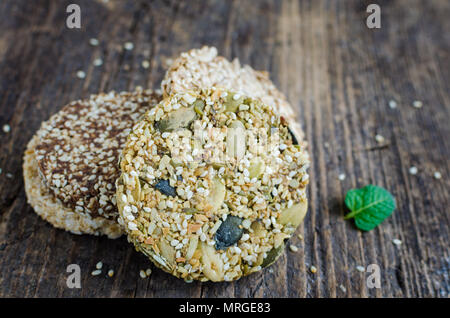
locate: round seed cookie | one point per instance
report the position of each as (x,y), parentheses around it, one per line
(52,210)
(71,164)
(203,68)
(213,183)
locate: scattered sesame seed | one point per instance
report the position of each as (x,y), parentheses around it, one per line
(341,176)
(293,248)
(417,104)
(313,269)
(360,268)
(342,287)
(99,265)
(6,128)
(145,64)
(379,138)
(96,272)
(413,170)
(142,274)
(128,46)
(98,62)
(437,175)
(148,272)
(9,175)
(397,242)
(81,74)
(392,104)
(111,273)
(300,237)
(93,42)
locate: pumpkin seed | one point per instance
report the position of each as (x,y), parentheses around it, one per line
(232,104)
(167,252)
(236,143)
(216,194)
(199,106)
(256,168)
(136,192)
(294,215)
(229,232)
(165,188)
(189,210)
(258,228)
(294,139)
(212,263)
(273,255)
(180,118)
(192,246)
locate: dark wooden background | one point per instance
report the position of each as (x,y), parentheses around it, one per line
(339,74)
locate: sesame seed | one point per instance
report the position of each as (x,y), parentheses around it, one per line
(128,46)
(9,175)
(313,269)
(81,74)
(145,64)
(98,62)
(293,248)
(379,138)
(413,170)
(360,268)
(148,272)
(341,176)
(99,265)
(437,175)
(417,104)
(6,128)
(243,107)
(392,104)
(111,273)
(142,274)
(96,272)
(342,287)
(397,242)
(93,42)
(300,237)
(132,226)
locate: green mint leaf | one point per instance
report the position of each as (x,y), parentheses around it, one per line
(369,206)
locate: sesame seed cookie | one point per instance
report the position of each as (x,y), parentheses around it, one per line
(53,211)
(203,68)
(213,183)
(71,164)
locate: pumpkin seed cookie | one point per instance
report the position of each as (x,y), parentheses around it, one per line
(70,165)
(213,183)
(202,68)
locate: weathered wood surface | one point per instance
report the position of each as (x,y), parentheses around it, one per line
(337,72)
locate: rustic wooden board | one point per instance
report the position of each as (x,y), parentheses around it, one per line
(337,72)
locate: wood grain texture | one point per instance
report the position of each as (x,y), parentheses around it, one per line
(339,74)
